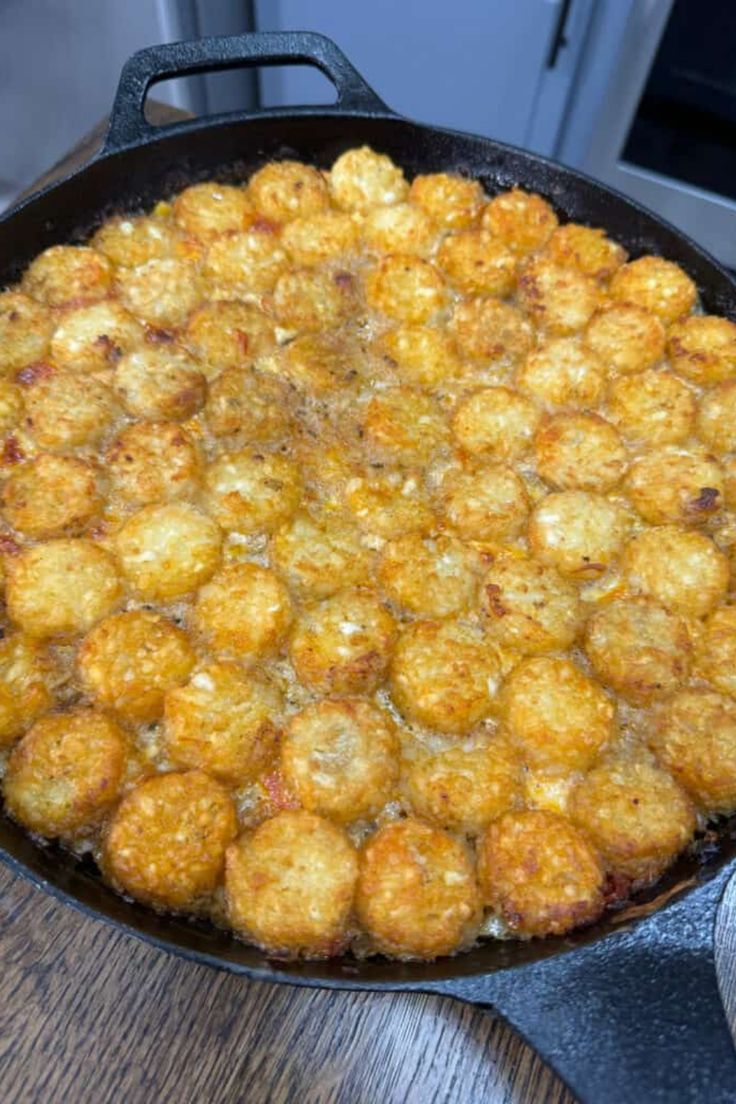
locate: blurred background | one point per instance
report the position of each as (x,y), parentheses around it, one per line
(639,93)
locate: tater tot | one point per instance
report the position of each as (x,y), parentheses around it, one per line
(423,356)
(160,382)
(398,229)
(562,372)
(579,533)
(417,894)
(559,299)
(627,338)
(389,503)
(539,874)
(25,329)
(656,285)
(319,238)
(130,242)
(403,426)
(639,649)
(715,651)
(464,789)
(522,220)
(529,606)
(308,300)
(61,587)
(128,662)
(26,684)
(92,338)
(319,554)
(444,676)
(432,576)
(66,772)
(67,272)
(252,491)
(556,715)
(341,759)
(703,348)
(168,550)
(224,720)
(694,738)
(290,885)
(484,501)
(228,335)
(405,288)
(586,249)
(361,179)
(206,210)
(682,570)
(65,410)
(716,424)
(343,644)
(153,462)
(476,263)
(161,292)
(166,842)
(635,814)
(242,401)
(653,407)
(489,330)
(246,263)
(51,496)
(495,423)
(579,451)
(284,190)
(243,610)
(673,484)
(451,201)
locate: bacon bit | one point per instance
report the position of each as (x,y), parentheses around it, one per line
(343,279)
(99,532)
(263,225)
(13,316)
(8,546)
(280,796)
(616,887)
(706,501)
(32,373)
(493,592)
(243,340)
(12,452)
(159,337)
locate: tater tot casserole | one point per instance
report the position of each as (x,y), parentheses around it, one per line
(367,550)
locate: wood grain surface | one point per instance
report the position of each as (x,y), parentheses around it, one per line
(89,1015)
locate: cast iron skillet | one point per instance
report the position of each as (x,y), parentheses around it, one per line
(625,1011)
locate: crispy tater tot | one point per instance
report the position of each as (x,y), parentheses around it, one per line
(444,676)
(579,533)
(627,338)
(93,338)
(361,179)
(653,407)
(462,789)
(66,772)
(656,285)
(153,462)
(65,410)
(26,684)
(417,895)
(167,839)
(489,330)
(450,200)
(405,288)
(579,451)
(290,885)
(484,501)
(128,662)
(703,348)
(341,759)
(529,606)
(683,570)
(168,550)
(432,576)
(224,721)
(539,874)
(476,263)
(25,329)
(319,554)
(496,422)
(555,714)
(161,292)
(208,209)
(423,355)
(252,491)
(715,650)
(587,249)
(228,335)
(244,610)
(562,372)
(51,496)
(674,484)
(560,299)
(639,649)
(284,190)
(316,239)
(68,272)
(716,425)
(403,426)
(398,229)
(694,738)
(636,815)
(523,220)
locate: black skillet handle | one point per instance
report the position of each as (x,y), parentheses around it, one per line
(176,59)
(634,1018)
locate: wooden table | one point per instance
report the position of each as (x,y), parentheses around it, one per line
(89,1015)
